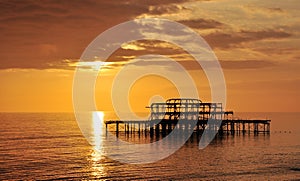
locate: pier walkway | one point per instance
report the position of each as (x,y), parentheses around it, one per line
(189,114)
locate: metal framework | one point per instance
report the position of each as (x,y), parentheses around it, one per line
(164,118)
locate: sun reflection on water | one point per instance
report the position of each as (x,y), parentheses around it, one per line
(98,168)
(97,152)
(98,121)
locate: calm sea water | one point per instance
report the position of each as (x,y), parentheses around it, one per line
(51,146)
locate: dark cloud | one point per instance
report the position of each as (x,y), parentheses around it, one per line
(276,50)
(31,30)
(37,34)
(202,23)
(225,40)
(165,9)
(240,64)
(158,2)
(289,85)
(247,64)
(276,10)
(27,26)
(264,9)
(266,34)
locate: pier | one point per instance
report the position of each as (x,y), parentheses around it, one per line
(192,114)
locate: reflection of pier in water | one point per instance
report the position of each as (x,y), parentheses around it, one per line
(191,114)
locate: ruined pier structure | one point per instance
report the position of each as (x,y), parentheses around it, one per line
(165,117)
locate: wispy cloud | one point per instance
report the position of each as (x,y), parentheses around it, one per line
(202,23)
(226,40)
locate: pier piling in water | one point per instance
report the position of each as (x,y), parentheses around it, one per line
(189,114)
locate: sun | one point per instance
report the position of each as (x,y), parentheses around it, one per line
(100,115)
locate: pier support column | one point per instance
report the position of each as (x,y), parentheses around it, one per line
(169,127)
(164,129)
(227,127)
(232,127)
(244,130)
(127,125)
(106,131)
(255,128)
(117,129)
(139,131)
(249,128)
(151,130)
(221,129)
(157,129)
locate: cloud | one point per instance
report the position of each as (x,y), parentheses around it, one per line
(165,9)
(247,64)
(235,39)
(263,10)
(229,64)
(143,47)
(30,27)
(288,85)
(194,65)
(35,34)
(279,50)
(202,23)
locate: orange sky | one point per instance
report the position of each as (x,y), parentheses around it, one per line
(256,42)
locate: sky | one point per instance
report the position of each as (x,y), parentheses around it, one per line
(256,42)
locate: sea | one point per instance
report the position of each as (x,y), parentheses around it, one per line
(50,146)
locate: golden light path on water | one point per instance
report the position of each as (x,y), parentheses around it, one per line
(98,124)
(96,155)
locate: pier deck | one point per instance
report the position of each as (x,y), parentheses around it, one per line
(166,126)
(193,114)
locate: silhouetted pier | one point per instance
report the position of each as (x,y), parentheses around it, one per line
(190,114)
